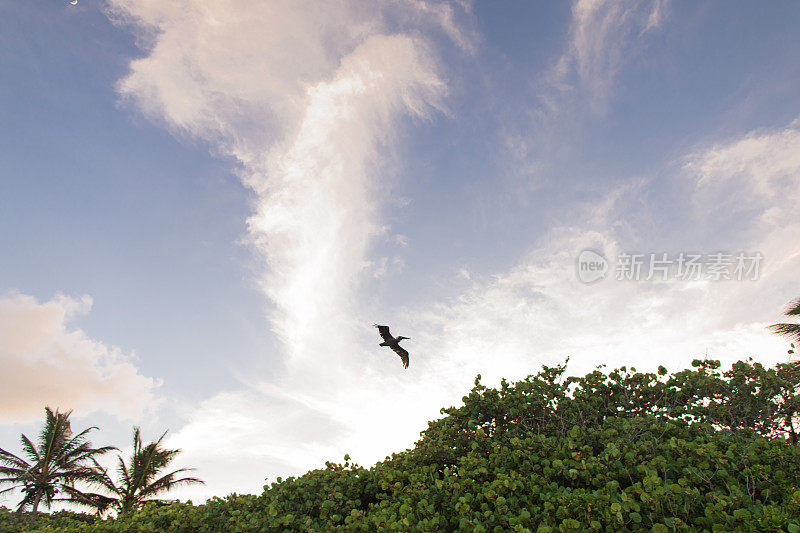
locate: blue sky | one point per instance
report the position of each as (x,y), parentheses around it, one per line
(205,206)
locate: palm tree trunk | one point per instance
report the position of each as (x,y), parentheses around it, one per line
(36,502)
(127,505)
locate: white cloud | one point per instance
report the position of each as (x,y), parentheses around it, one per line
(604,36)
(750,186)
(231,71)
(307,97)
(758,174)
(446,15)
(238,438)
(400,240)
(385,266)
(538,312)
(314,228)
(47,363)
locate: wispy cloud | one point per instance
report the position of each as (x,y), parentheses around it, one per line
(452,17)
(314,229)
(47,362)
(604,35)
(538,311)
(751,185)
(756,173)
(308,98)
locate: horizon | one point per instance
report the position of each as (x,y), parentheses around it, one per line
(204,208)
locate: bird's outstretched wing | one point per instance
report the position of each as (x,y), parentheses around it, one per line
(403,355)
(384,331)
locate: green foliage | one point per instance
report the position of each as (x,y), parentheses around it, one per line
(697,450)
(13,521)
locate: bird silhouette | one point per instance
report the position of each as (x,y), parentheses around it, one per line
(393,343)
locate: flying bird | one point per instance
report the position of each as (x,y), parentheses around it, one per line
(393,343)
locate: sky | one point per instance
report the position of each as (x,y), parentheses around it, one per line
(204,207)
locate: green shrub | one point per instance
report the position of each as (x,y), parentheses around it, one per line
(68,520)
(698,450)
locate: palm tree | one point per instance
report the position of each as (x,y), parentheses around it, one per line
(57,462)
(139,480)
(789,329)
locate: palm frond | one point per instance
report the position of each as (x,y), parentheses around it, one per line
(84,452)
(102,479)
(149,460)
(99,502)
(12,474)
(29,448)
(49,496)
(15,487)
(54,433)
(168,482)
(124,474)
(77,442)
(10,459)
(794,308)
(789,330)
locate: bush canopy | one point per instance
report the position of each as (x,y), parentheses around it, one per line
(696,450)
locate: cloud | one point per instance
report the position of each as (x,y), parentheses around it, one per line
(749,186)
(758,173)
(238,73)
(308,99)
(47,363)
(250,434)
(604,35)
(229,71)
(538,311)
(452,17)
(385,267)
(604,40)
(314,229)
